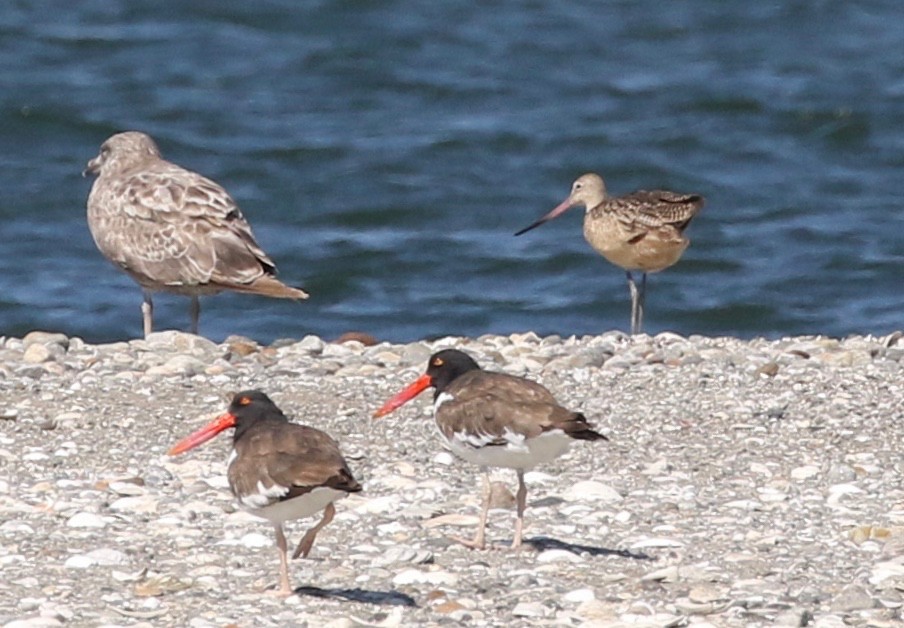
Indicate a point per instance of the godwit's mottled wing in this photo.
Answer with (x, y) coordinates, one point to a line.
(177, 227)
(644, 210)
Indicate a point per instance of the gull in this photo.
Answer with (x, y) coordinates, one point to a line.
(173, 230)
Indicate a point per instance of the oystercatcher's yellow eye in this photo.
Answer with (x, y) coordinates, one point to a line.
(437, 361)
(244, 401)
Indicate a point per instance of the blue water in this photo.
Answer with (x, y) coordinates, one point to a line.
(385, 153)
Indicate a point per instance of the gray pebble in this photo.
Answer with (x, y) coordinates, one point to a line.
(725, 498)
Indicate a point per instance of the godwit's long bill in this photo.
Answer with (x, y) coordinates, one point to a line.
(494, 420)
(642, 231)
(278, 470)
(172, 230)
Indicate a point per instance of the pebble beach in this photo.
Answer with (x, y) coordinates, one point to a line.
(745, 483)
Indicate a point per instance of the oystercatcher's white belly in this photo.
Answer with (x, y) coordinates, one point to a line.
(264, 501)
(518, 452)
(295, 508)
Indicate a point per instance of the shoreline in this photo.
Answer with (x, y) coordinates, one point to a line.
(747, 483)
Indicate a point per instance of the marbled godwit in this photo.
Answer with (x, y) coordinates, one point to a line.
(173, 230)
(278, 470)
(494, 420)
(641, 231)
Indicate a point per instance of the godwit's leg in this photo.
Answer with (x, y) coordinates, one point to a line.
(284, 588)
(635, 303)
(147, 313)
(521, 499)
(641, 302)
(479, 540)
(194, 311)
(307, 541)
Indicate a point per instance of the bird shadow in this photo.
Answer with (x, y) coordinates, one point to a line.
(543, 543)
(364, 596)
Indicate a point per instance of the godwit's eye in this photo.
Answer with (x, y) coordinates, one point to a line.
(244, 401)
(437, 361)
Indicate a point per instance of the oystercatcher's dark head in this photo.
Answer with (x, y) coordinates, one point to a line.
(246, 409)
(443, 368)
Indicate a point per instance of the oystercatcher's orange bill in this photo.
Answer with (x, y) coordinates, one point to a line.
(409, 393)
(222, 422)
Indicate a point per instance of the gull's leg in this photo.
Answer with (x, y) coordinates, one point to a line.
(147, 313)
(194, 311)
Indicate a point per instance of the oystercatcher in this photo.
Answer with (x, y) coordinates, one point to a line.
(494, 420)
(278, 470)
